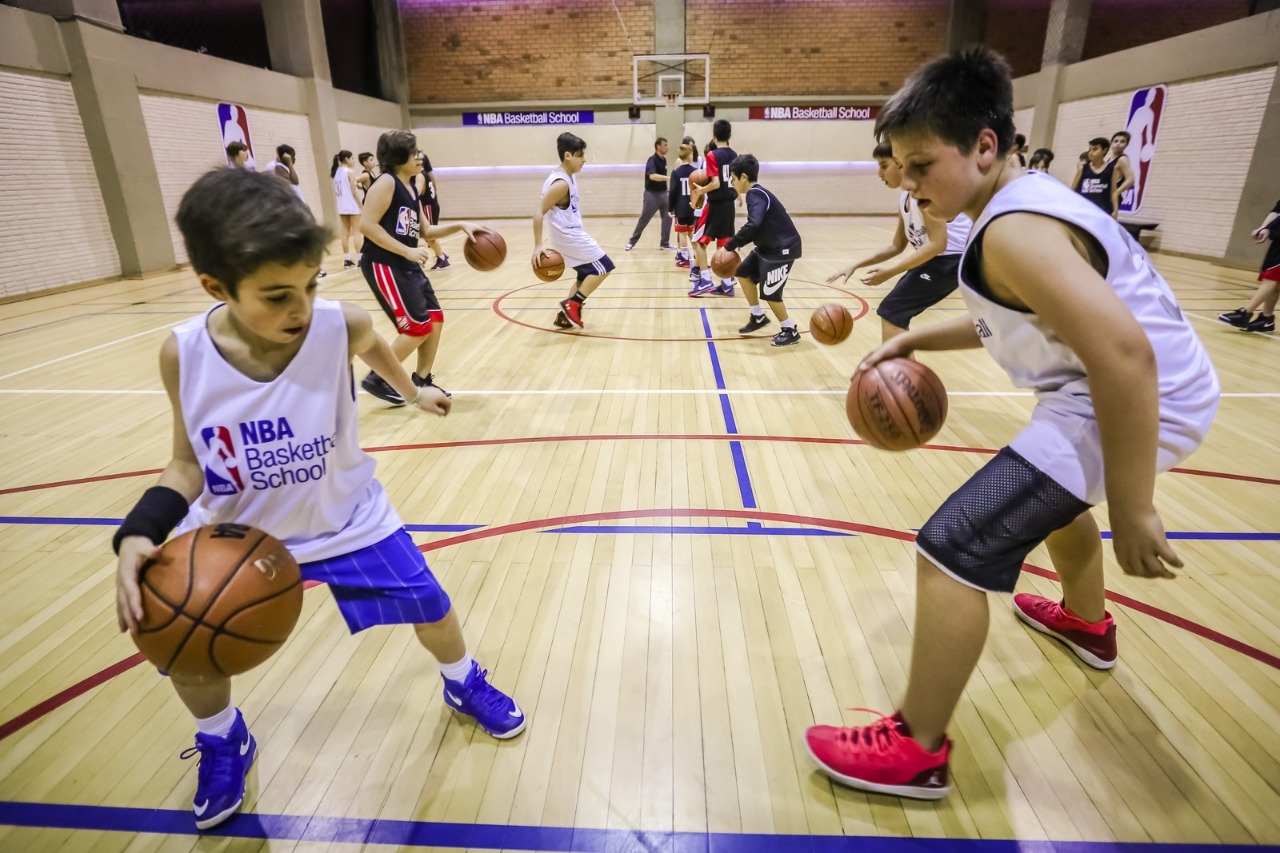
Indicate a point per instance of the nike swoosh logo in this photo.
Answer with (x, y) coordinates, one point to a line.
(244, 748)
(517, 713)
(925, 276)
(452, 697)
(769, 291)
(201, 809)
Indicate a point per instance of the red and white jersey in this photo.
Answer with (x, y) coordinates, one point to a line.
(282, 455)
(566, 233)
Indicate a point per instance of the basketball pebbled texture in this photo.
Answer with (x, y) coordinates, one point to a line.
(897, 404)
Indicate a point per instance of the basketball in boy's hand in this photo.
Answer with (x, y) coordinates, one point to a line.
(218, 601)
(724, 262)
(486, 252)
(550, 265)
(698, 177)
(831, 323)
(897, 404)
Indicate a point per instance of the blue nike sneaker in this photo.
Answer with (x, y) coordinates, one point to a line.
(224, 763)
(496, 712)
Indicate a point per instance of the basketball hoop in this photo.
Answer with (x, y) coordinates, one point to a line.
(671, 97)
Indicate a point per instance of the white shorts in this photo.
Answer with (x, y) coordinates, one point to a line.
(1068, 448)
(348, 207)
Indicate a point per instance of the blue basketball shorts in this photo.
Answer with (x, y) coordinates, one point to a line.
(387, 583)
(602, 265)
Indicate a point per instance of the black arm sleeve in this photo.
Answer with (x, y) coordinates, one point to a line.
(757, 206)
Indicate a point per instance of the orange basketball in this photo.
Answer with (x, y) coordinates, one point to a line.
(898, 404)
(218, 601)
(486, 252)
(831, 323)
(724, 263)
(550, 266)
(698, 177)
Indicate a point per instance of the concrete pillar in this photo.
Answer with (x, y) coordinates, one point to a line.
(296, 40)
(393, 66)
(102, 12)
(1044, 123)
(1261, 186)
(106, 94)
(1065, 32)
(964, 25)
(668, 37)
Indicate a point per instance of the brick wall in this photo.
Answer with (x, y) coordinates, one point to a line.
(185, 143)
(1121, 24)
(522, 50)
(1202, 152)
(49, 196)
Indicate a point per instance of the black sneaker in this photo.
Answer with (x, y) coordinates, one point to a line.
(562, 322)
(1238, 318)
(429, 382)
(346, 265)
(381, 388)
(757, 322)
(1264, 323)
(667, 247)
(786, 336)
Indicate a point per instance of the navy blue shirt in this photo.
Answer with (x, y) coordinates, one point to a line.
(768, 226)
(678, 197)
(657, 165)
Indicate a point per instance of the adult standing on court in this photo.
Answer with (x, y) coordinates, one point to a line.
(655, 196)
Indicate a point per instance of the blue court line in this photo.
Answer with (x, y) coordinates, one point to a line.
(735, 447)
(753, 529)
(541, 838)
(1211, 535)
(115, 522)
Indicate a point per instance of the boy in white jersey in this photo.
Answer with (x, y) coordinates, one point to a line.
(270, 349)
(1070, 306)
(931, 268)
(562, 208)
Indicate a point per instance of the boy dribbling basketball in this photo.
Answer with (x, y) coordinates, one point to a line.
(269, 349)
(1070, 306)
(561, 207)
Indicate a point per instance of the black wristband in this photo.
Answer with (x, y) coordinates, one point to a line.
(154, 516)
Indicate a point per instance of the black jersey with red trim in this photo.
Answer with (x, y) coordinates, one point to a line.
(402, 220)
(769, 226)
(678, 196)
(718, 160)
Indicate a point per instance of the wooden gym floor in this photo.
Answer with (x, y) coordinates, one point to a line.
(667, 543)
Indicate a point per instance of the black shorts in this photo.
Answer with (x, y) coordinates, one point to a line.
(920, 288)
(684, 223)
(432, 211)
(769, 276)
(406, 295)
(981, 535)
(719, 225)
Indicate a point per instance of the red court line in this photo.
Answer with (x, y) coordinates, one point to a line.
(59, 699)
(540, 439)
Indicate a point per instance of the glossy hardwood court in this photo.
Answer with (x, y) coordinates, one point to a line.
(667, 543)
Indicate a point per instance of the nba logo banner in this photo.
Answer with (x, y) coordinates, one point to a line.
(1145, 111)
(233, 123)
(222, 469)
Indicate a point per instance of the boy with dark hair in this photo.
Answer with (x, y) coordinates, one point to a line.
(678, 201)
(1069, 305)
(391, 221)
(1265, 296)
(270, 348)
(777, 249)
(1124, 169)
(931, 268)
(367, 165)
(1096, 178)
(283, 168)
(720, 196)
(561, 207)
(237, 154)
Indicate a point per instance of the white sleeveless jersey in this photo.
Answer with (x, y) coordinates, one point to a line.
(913, 226)
(566, 234)
(1035, 358)
(283, 455)
(297, 190)
(347, 203)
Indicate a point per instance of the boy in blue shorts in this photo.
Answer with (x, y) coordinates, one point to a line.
(270, 349)
(1069, 306)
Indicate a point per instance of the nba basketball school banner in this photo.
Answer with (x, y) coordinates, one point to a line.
(233, 123)
(1145, 111)
(522, 117)
(846, 112)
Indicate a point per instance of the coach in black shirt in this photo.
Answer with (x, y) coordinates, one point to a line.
(655, 196)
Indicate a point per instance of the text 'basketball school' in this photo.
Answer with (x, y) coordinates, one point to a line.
(270, 455)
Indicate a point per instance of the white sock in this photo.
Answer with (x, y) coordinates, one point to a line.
(219, 725)
(728, 282)
(706, 275)
(757, 310)
(457, 671)
(787, 323)
(346, 257)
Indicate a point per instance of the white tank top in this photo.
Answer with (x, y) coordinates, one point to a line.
(283, 455)
(297, 190)
(566, 234)
(1035, 358)
(913, 226)
(342, 189)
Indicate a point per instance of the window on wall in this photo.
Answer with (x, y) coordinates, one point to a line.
(350, 35)
(228, 29)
